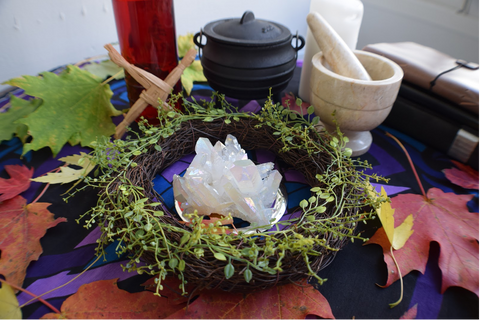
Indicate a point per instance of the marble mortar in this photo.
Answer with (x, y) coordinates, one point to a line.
(359, 105)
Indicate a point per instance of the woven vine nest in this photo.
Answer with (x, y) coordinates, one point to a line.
(242, 253)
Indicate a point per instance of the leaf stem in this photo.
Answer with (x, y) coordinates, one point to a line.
(28, 292)
(46, 187)
(401, 280)
(111, 78)
(411, 163)
(61, 286)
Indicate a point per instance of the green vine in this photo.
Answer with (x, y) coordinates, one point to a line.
(342, 186)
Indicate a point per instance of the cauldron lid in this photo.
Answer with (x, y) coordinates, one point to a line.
(247, 31)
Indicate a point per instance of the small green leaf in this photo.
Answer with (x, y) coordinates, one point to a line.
(303, 204)
(229, 270)
(208, 119)
(310, 110)
(347, 152)
(172, 263)
(181, 265)
(320, 209)
(219, 256)
(248, 275)
(158, 213)
(185, 238)
(298, 102)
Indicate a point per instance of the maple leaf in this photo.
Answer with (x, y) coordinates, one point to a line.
(280, 302)
(21, 228)
(105, 69)
(193, 72)
(399, 235)
(19, 181)
(444, 218)
(103, 299)
(410, 313)
(19, 108)
(68, 174)
(289, 101)
(9, 308)
(76, 108)
(466, 177)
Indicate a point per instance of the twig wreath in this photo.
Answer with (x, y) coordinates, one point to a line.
(207, 255)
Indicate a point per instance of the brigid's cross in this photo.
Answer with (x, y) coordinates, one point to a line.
(156, 88)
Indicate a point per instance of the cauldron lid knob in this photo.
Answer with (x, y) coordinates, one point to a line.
(248, 31)
(247, 17)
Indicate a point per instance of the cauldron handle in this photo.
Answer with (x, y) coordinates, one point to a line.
(198, 42)
(302, 42)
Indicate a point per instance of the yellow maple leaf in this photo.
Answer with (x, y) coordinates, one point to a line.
(396, 236)
(9, 308)
(69, 174)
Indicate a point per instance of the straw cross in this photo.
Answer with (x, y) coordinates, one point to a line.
(156, 88)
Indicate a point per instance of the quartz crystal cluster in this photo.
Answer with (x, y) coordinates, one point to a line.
(221, 179)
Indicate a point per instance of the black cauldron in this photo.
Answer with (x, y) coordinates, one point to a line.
(245, 58)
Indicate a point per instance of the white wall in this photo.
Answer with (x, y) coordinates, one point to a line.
(38, 35)
(434, 23)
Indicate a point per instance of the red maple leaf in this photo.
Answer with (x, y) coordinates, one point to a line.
(21, 228)
(103, 299)
(444, 218)
(19, 181)
(466, 177)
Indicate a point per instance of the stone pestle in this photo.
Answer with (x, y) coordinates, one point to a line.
(336, 52)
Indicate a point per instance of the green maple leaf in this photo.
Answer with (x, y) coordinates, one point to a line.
(194, 72)
(76, 108)
(185, 43)
(104, 69)
(19, 108)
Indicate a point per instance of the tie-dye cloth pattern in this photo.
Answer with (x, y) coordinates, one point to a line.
(68, 249)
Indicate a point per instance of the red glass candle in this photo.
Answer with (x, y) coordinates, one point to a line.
(146, 32)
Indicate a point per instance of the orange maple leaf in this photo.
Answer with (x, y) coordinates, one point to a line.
(444, 218)
(21, 228)
(103, 299)
(279, 302)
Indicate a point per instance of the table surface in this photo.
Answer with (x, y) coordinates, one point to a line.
(69, 248)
